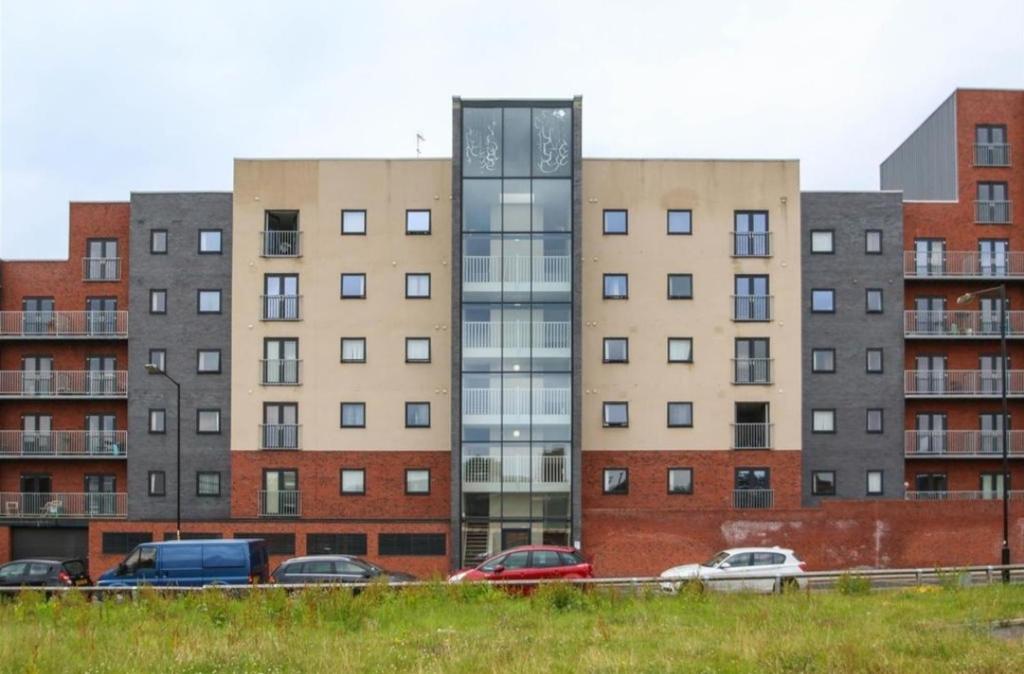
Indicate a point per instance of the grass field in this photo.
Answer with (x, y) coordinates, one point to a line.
(478, 629)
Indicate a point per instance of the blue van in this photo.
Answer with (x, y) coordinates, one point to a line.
(195, 563)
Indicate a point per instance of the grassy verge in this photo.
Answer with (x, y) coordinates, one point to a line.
(478, 629)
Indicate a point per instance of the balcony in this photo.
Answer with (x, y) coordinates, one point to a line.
(280, 243)
(751, 244)
(281, 307)
(960, 383)
(105, 384)
(960, 324)
(94, 505)
(991, 154)
(544, 339)
(101, 269)
(519, 473)
(961, 444)
(960, 495)
(540, 406)
(281, 372)
(280, 436)
(993, 212)
(517, 273)
(754, 499)
(283, 503)
(63, 324)
(751, 308)
(752, 436)
(63, 444)
(751, 371)
(959, 265)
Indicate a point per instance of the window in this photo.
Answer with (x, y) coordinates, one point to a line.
(417, 222)
(417, 286)
(874, 361)
(208, 361)
(417, 415)
(822, 241)
(873, 300)
(277, 544)
(680, 286)
(616, 350)
(353, 415)
(158, 241)
(207, 421)
(210, 242)
(336, 544)
(680, 222)
(417, 349)
(158, 357)
(874, 420)
(873, 242)
(823, 421)
(417, 481)
(411, 545)
(209, 301)
(207, 484)
(353, 222)
(353, 481)
(616, 415)
(680, 349)
(353, 349)
(680, 480)
(157, 483)
(158, 421)
(931, 482)
(281, 297)
(823, 360)
(823, 301)
(616, 481)
(616, 222)
(123, 542)
(616, 286)
(680, 415)
(353, 286)
(158, 301)
(823, 483)
(875, 482)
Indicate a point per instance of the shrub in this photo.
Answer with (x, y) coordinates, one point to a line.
(850, 584)
(560, 596)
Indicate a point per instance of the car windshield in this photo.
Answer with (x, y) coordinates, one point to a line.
(716, 560)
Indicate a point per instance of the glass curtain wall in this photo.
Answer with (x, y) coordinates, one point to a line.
(516, 327)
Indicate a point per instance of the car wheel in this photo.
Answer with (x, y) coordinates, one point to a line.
(787, 585)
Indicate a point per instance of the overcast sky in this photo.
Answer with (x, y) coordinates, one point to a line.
(101, 98)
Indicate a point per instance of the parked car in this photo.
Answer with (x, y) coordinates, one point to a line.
(315, 569)
(529, 562)
(44, 573)
(236, 561)
(741, 570)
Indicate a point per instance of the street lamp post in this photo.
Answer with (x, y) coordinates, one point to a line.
(152, 368)
(1000, 290)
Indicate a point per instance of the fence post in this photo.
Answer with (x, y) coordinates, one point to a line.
(917, 576)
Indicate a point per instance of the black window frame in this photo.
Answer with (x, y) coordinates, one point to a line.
(341, 223)
(835, 420)
(815, 491)
(153, 292)
(668, 289)
(341, 413)
(604, 349)
(881, 360)
(152, 361)
(341, 347)
(430, 350)
(867, 301)
(199, 301)
(867, 482)
(604, 221)
(199, 241)
(668, 413)
(668, 481)
(430, 481)
(617, 491)
(668, 221)
(338, 543)
(827, 349)
(200, 494)
(823, 290)
(409, 403)
(430, 221)
(220, 361)
(881, 420)
(832, 241)
(668, 349)
(199, 412)
(152, 241)
(604, 415)
(425, 544)
(341, 283)
(149, 420)
(163, 484)
(341, 481)
(867, 242)
(604, 286)
(430, 285)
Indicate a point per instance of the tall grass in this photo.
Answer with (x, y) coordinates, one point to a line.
(476, 628)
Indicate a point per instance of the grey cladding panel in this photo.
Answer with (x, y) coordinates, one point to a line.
(924, 166)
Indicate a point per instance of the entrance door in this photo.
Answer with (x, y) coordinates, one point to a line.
(281, 297)
(991, 425)
(752, 298)
(280, 426)
(990, 309)
(102, 254)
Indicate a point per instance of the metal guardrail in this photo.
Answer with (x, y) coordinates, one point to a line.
(752, 308)
(993, 212)
(64, 444)
(963, 495)
(281, 307)
(752, 435)
(281, 371)
(56, 505)
(751, 244)
(101, 269)
(961, 383)
(960, 324)
(961, 443)
(280, 436)
(992, 154)
(63, 383)
(280, 243)
(962, 264)
(64, 324)
(752, 370)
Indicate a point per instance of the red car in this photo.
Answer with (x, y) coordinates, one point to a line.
(529, 562)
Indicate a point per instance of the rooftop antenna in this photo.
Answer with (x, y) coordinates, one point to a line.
(419, 139)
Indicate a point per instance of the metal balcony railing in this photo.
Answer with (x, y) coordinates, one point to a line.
(752, 436)
(63, 384)
(280, 436)
(281, 307)
(101, 268)
(960, 383)
(516, 335)
(280, 243)
(963, 264)
(966, 444)
(993, 212)
(516, 469)
(752, 307)
(752, 370)
(64, 324)
(64, 444)
(991, 154)
(751, 244)
(540, 402)
(761, 499)
(517, 269)
(285, 503)
(963, 495)
(54, 505)
(281, 372)
(961, 324)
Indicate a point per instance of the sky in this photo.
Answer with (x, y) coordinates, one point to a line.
(102, 98)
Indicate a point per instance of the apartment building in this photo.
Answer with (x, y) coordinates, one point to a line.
(961, 236)
(63, 386)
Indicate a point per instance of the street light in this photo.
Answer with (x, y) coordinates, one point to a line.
(964, 299)
(153, 368)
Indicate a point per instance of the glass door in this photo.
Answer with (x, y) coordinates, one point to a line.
(992, 256)
(101, 375)
(930, 317)
(35, 430)
(931, 432)
(101, 315)
(38, 315)
(100, 437)
(37, 375)
(929, 257)
(931, 374)
(280, 492)
(100, 497)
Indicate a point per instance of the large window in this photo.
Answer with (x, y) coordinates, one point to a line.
(822, 241)
(417, 222)
(417, 481)
(208, 421)
(353, 349)
(353, 481)
(823, 421)
(417, 349)
(417, 415)
(207, 484)
(208, 361)
(823, 360)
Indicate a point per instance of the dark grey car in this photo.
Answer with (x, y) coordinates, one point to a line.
(315, 569)
(44, 573)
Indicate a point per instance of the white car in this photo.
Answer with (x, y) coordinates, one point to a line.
(741, 570)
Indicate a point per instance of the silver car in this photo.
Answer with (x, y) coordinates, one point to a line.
(741, 570)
